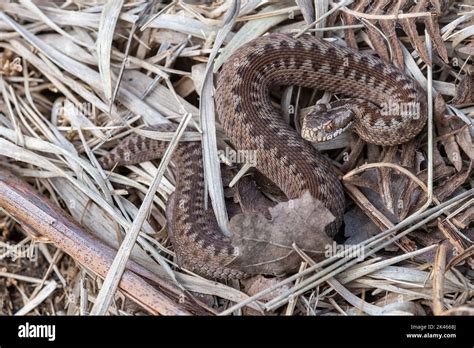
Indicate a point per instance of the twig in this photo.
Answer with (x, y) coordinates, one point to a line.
(39, 215)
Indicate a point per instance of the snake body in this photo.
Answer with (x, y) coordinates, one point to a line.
(252, 123)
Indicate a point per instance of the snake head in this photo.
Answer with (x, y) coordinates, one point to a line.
(325, 122)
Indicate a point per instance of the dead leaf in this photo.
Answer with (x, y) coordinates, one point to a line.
(464, 139)
(267, 244)
(464, 92)
(358, 226)
(254, 285)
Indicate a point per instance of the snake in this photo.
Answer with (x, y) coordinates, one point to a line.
(378, 101)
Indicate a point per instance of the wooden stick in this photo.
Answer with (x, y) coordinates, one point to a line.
(38, 214)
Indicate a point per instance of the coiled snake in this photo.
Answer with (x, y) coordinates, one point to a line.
(386, 107)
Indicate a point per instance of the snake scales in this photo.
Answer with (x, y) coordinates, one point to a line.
(251, 122)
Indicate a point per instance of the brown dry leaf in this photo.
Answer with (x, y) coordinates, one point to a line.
(452, 149)
(367, 180)
(348, 20)
(388, 28)
(376, 37)
(450, 185)
(464, 92)
(433, 30)
(464, 140)
(440, 116)
(464, 219)
(409, 27)
(387, 25)
(358, 226)
(254, 285)
(267, 244)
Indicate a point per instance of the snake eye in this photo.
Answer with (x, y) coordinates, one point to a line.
(328, 128)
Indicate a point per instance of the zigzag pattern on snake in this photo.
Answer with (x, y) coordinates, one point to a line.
(251, 122)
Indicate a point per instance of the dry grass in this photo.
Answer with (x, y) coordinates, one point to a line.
(75, 78)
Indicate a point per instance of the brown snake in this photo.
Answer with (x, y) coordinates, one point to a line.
(379, 92)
